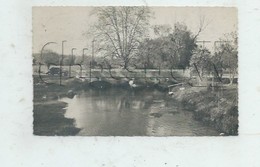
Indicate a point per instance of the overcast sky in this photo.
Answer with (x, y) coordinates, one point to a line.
(69, 23)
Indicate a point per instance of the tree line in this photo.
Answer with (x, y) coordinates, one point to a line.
(121, 36)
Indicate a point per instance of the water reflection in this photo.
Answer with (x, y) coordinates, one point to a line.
(117, 112)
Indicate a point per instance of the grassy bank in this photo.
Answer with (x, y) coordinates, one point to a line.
(48, 112)
(49, 120)
(216, 108)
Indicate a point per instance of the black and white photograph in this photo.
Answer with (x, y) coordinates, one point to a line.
(135, 71)
(135, 83)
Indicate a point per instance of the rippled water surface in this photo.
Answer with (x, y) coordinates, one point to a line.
(117, 112)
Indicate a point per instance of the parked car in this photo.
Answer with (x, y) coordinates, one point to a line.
(55, 71)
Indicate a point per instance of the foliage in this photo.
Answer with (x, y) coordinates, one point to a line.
(71, 59)
(201, 62)
(50, 58)
(151, 54)
(224, 60)
(36, 58)
(162, 30)
(79, 60)
(172, 47)
(227, 54)
(183, 44)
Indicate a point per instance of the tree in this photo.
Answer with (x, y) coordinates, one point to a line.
(182, 46)
(162, 30)
(218, 64)
(172, 48)
(50, 58)
(228, 55)
(36, 58)
(120, 30)
(203, 23)
(201, 63)
(150, 54)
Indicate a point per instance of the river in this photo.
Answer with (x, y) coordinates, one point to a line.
(119, 112)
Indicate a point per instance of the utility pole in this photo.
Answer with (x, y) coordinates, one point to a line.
(62, 47)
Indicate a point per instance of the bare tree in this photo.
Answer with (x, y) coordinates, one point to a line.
(203, 23)
(120, 30)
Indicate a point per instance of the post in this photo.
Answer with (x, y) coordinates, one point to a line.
(83, 58)
(62, 46)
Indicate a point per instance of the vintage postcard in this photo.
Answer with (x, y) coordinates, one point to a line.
(135, 71)
(130, 83)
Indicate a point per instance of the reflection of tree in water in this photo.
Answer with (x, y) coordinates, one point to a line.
(121, 112)
(131, 102)
(126, 101)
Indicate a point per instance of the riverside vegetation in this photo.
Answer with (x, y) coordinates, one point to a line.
(216, 108)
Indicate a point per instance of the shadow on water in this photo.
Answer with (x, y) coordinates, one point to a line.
(128, 112)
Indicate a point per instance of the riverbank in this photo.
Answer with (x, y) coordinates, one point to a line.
(49, 120)
(49, 112)
(216, 108)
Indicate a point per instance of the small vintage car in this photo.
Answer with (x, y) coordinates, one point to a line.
(55, 71)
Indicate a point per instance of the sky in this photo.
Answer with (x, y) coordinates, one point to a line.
(54, 24)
